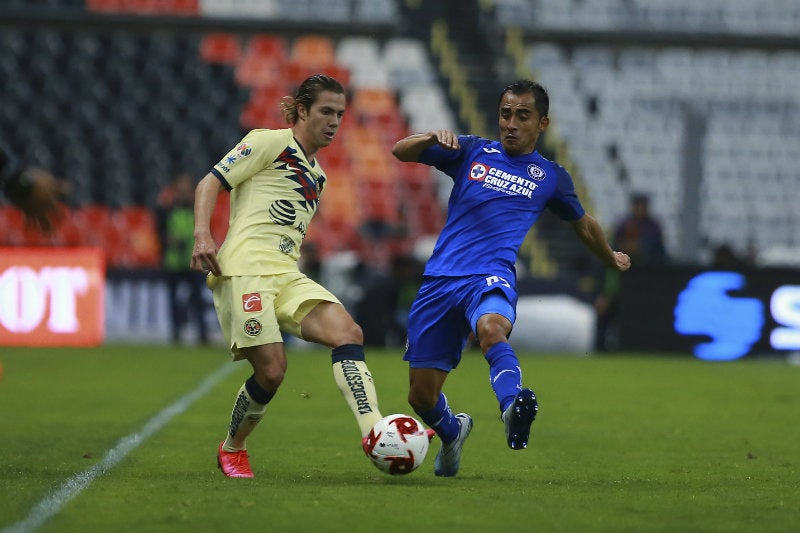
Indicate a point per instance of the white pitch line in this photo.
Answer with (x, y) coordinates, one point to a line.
(68, 490)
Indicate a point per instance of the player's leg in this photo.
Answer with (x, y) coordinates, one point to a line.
(436, 336)
(493, 319)
(269, 367)
(426, 398)
(310, 312)
(246, 313)
(329, 324)
(505, 374)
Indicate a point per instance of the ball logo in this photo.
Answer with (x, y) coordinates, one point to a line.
(478, 171)
(536, 172)
(252, 327)
(251, 302)
(244, 149)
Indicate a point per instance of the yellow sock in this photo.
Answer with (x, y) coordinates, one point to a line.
(355, 382)
(246, 414)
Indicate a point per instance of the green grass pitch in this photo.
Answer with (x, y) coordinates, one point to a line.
(623, 443)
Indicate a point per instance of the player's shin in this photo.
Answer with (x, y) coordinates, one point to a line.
(355, 382)
(442, 420)
(504, 373)
(251, 403)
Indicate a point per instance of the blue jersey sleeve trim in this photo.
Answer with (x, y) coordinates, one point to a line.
(222, 180)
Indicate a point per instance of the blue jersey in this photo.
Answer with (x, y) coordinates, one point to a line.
(495, 200)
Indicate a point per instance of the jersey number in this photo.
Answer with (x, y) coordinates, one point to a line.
(491, 280)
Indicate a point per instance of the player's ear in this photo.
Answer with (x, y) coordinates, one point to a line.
(543, 123)
(302, 112)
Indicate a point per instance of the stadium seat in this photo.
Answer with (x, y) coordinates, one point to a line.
(374, 101)
(221, 48)
(257, 71)
(316, 52)
(267, 47)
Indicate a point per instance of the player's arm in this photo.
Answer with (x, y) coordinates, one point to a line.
(410, 148)
(591, 234)
(204, 253)
(35, 191)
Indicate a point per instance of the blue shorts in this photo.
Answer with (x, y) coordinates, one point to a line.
(447, 309)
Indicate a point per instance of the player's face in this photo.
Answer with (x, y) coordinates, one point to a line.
(323, 119)
(520, 123)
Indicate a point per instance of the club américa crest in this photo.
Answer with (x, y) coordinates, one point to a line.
(252, 327)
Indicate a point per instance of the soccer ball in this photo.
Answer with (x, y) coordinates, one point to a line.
(397, 444)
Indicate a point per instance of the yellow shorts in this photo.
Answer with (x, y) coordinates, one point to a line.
(254, 310)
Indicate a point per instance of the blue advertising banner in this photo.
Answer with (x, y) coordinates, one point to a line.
(716, 315)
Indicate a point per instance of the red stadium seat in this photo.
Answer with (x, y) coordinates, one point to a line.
(220, 48)
(267, 47)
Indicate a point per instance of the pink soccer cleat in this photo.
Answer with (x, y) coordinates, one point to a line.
(234, 464)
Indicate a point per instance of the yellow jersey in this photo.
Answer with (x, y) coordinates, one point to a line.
(275, 191)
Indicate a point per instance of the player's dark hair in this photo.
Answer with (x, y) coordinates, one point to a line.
(541, 99)
(307, 94)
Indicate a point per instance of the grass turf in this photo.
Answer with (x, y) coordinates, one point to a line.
(623, 443)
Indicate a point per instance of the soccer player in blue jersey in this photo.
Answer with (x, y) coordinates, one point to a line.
(276, 182)
(499, 190)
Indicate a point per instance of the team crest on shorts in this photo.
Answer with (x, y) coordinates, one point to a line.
(252, 327)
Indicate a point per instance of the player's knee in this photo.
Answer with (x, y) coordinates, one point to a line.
(490, 333)
(269, 377)
(352, 334)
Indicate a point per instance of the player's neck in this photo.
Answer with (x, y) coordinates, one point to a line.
(307, 147)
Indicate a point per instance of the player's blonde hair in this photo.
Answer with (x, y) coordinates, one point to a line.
(307, 94)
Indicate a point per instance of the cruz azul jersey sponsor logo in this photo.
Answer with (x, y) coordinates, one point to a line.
(499, 180)
(251, 302)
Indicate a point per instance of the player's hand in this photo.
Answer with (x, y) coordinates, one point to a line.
(621, 261)
(446, 139)
(41, 204)
(204, 256)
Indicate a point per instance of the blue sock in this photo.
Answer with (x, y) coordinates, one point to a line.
(442, 420)
(504, 373)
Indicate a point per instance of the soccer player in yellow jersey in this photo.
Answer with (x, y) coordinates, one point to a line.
(276, 184)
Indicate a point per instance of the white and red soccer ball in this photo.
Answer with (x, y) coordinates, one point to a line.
(397, 444)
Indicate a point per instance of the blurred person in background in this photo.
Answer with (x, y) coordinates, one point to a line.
(33, 190)
(259, 292)
(639, 235)
(186, 287)
(500, 189)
